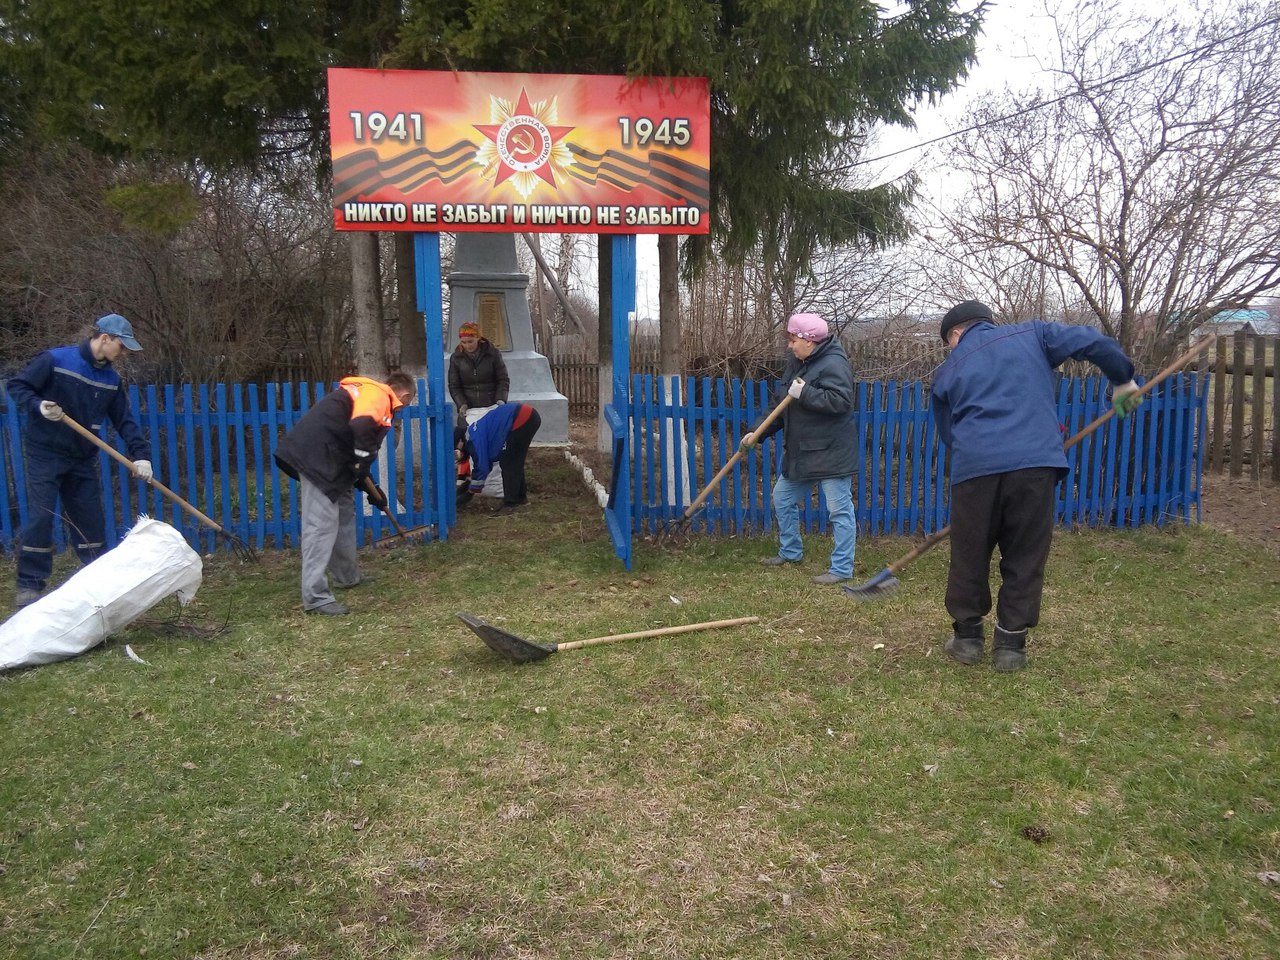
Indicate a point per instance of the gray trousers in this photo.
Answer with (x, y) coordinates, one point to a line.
(328, 544)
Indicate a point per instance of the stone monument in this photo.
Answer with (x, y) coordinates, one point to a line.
(487, 288)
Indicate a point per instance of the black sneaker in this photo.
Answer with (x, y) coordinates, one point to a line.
(364, 578)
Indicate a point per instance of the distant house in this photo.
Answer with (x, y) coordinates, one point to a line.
(1228, 322)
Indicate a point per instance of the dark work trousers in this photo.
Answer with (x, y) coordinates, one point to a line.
(1012, 511)
(514, 452)
(78, 484)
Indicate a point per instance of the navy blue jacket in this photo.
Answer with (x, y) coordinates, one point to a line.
(819, 440)
(88, 390)
(994, 397)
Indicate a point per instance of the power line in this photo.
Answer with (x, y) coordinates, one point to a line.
(1101, 85)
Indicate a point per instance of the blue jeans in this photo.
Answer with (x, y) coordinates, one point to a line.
(838, 492)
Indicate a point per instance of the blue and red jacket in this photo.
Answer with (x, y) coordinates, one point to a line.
(88, 390)
(488, 435)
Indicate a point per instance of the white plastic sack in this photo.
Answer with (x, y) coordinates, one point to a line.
(493, 482)
(151, 563)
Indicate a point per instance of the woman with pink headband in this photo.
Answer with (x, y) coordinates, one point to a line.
(819, 444)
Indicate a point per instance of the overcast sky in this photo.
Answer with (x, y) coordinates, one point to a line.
(1016, 36)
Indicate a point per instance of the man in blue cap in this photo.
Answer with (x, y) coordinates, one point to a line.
(79, 381)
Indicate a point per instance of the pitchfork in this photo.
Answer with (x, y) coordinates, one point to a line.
(242, 549)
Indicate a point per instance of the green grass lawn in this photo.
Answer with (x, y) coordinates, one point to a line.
(823, 784)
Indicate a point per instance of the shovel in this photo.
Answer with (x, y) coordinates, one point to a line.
(242, 549)
(682, 524)
(885, 582)
(519, 650)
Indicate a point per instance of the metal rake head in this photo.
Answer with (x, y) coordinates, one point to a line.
(881, 585)
(241, 549)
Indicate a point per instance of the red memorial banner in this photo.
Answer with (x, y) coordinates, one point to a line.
(517, 152)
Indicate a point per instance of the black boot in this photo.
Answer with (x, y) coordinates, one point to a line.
(1010, 649)
(965, 645)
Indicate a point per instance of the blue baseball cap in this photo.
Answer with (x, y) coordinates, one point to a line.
(117, 326)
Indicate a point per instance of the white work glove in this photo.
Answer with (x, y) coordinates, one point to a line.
(1125, 398)
(794, 390)
(50, 410)
(747, 442)
(142, 469)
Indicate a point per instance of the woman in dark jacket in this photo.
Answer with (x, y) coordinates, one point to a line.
(819, 444)
(477, 374)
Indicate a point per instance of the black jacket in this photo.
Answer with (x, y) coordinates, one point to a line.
(479, 379)
(819, 439)
(337, 440)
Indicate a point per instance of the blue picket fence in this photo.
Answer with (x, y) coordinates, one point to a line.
(1146, 470)
(213, 446)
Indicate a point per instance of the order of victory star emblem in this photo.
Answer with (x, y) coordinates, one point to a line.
(523, 143)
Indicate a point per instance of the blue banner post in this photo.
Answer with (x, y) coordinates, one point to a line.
(617, 512)
(426, 254)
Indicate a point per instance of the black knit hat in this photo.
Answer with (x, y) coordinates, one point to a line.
(964, 313)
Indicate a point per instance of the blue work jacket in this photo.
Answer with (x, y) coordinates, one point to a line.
(994, 397)
(88, 390)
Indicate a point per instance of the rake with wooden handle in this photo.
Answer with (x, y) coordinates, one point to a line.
(519, 650)
(242, 549)
(886, 581)
(402, 535)
(682, 524)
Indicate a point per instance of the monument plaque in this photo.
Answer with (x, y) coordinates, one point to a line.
(487, 288)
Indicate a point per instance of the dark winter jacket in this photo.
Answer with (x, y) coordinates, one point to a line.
(819, 439)
(88, 390)
(478, 379)
(994, 397)
(337, 440)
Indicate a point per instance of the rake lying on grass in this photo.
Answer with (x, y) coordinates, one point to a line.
(519, 650)
(886, 581)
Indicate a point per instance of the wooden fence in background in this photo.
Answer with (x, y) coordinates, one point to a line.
(1244, 406)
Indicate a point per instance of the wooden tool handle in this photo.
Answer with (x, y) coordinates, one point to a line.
(738, 454)
(117, 455)
(660, 632)
(371, 489)
(934, 539)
